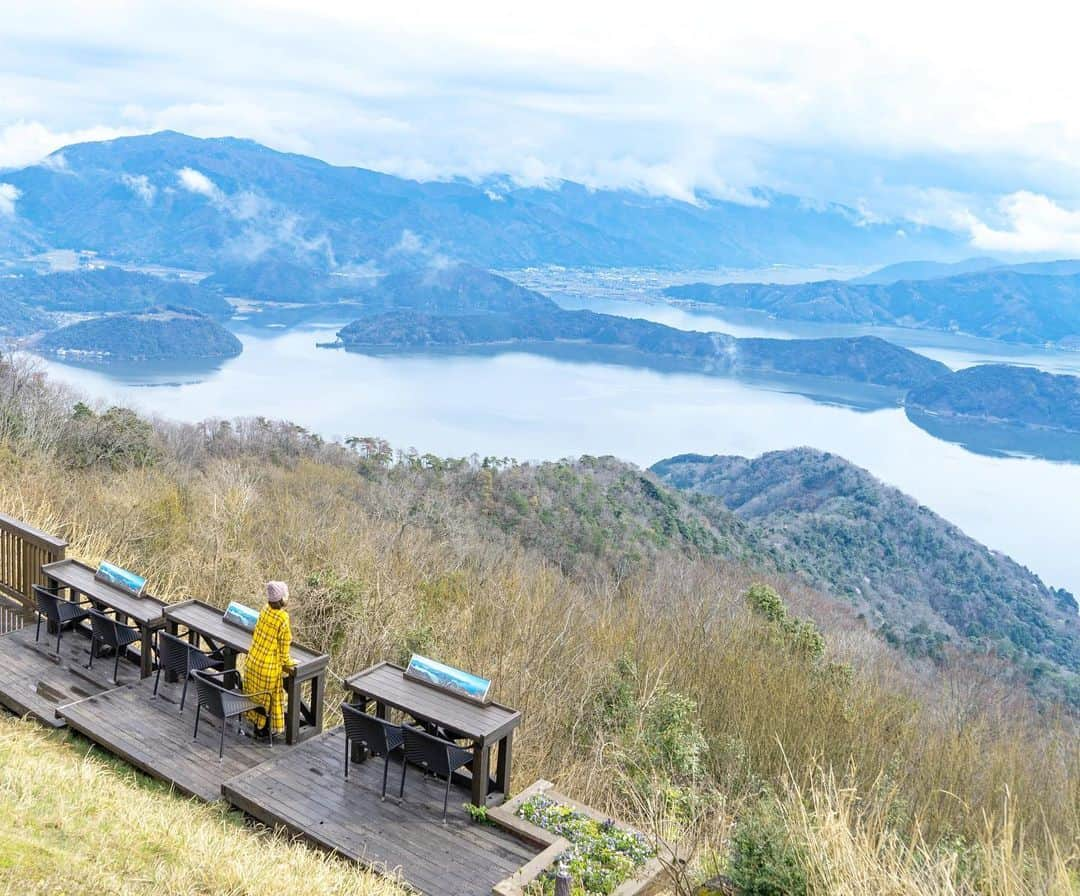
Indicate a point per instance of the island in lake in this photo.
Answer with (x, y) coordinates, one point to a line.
(158, 334)
(463, 307)
(1002, 394)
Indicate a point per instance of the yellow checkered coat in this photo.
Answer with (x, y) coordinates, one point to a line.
(267, 662)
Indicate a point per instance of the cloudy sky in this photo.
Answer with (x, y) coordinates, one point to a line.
(953, 113)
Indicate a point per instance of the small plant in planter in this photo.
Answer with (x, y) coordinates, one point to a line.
(477, 814)
(601, 855)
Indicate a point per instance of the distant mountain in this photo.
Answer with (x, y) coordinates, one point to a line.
(997, 304)
(273, 280)
(926, 270)
(1003, 393)
(211, 204)
(18, 319)
(1058, 268)
(110, 289)
(917, 578)
(453, 289)
(460, 307)
(156, 335)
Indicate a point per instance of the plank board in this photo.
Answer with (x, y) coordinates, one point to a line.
(150, 733)
(35, 680)
(304, 790)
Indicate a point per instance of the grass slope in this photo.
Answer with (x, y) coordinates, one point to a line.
(75, 822)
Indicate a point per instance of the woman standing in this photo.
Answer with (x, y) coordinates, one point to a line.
(269, 661)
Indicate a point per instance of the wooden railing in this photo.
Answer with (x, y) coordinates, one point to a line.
(11, 616)
(23, 551)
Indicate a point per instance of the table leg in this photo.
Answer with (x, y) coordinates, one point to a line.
(292, 709)
(502, 766)
(481, 773)
(146, 651)
(318, 684)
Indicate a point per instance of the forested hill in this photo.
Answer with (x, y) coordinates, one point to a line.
(108, 289)
(997, 304)
(160, 334)
(17, 319)
(919, 579)
(1003, 393)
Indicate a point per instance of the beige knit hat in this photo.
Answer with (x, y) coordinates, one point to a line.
(277, 592)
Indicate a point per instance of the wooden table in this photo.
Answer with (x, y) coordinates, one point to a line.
(145, 612)
(486, 726)
(204, 622)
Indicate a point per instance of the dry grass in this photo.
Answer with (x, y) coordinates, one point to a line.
(932, 775)
(852, 849)
(75, 823)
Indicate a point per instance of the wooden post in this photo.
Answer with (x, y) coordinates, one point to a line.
(562, 880)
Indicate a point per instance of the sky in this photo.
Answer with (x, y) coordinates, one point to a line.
(956, 114)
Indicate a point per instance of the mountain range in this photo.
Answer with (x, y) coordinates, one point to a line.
(1013, 305)
(172, 199)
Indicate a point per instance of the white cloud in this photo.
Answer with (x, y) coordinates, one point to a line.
(9, 193)
(963, 97)
(30, 142)
(140, 185)
(196, 182)
(1030, 223)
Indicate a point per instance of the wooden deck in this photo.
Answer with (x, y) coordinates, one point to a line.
(304, 790)
(150, 733)
(34, 680)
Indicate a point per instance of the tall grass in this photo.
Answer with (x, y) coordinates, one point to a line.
(895, 778)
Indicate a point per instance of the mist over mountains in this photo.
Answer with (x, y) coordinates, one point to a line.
(212, 203)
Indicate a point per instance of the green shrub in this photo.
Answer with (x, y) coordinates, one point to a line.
(764, 861)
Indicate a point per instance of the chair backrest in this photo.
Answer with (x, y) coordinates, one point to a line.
(173, 653)
(211, 695)
(48, 604)
(425, 749)
(217, 699)
(104, 628)
(378, 735)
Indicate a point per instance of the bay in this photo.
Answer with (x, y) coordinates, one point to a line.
(533, 406)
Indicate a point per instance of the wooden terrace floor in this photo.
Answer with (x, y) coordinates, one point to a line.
(304, 790)
(35, 680)
(300, 788)
(151, 734)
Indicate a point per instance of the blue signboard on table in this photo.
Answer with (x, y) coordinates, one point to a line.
(241, 616)
(447, 678)
(120, 578)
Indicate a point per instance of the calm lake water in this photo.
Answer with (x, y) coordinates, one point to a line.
(534, 407)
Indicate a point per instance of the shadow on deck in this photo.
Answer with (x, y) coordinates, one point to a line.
(304, 790)
(35, 680)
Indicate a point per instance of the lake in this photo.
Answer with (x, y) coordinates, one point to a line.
(534, 407)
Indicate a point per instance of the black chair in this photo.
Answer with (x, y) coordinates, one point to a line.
(220, 695)
(58, 610)
(433, 754)
(110, 633)
(177, 656)
(379, 737)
